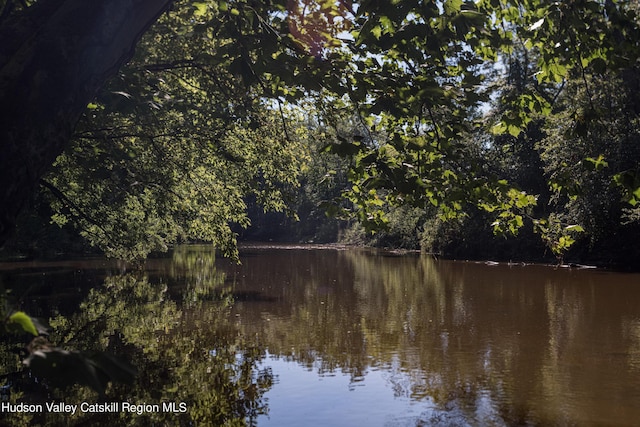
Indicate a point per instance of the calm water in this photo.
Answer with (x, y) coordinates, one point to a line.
(360, 338)
(357, 337)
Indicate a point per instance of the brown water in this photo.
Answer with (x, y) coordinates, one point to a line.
(359, 337)
(452, 343)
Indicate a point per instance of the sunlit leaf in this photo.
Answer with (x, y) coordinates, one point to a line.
(452, 7)
(24, 322)
(201, 8)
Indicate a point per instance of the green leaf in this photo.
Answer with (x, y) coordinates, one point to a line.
(387, 25)
(376, 31)
(20, 318)
(499, 129)
(201, 9)
(514, 130)
(451, 7)
(595, 164)
(515, 224)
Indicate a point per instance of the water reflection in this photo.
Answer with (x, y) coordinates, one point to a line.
(485, 345)
(351, 337)
(171, 323)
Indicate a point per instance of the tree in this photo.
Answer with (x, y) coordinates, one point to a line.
(173, 145)
(591, 159)
(55, 56)
(413, 73)
(426, 80)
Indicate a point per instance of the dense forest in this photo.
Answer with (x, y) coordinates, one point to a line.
(489, 129)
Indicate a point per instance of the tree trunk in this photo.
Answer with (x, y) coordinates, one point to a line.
(53, 59)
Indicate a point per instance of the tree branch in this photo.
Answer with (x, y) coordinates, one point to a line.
(68, 202)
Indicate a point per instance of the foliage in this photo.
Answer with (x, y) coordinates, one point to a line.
(322, 179)
(54, 365)
(422, 73)
(493, 111)
(175, 331)
(453, 107)
(591, 143)
(171, 149)
(20, 322)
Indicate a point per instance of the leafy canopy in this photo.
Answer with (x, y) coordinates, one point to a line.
(195, 123)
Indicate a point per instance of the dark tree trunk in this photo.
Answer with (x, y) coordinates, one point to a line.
(53, 59)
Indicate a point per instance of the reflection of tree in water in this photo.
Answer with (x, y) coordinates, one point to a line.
(494, 345)
(482, 345)
(192, 274)
(185, 351)
(313, 322)
(423, 323)
(433, 338)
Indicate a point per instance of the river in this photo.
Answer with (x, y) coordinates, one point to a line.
(322, 336)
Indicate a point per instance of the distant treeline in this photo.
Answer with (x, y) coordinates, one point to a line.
(578, 162)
